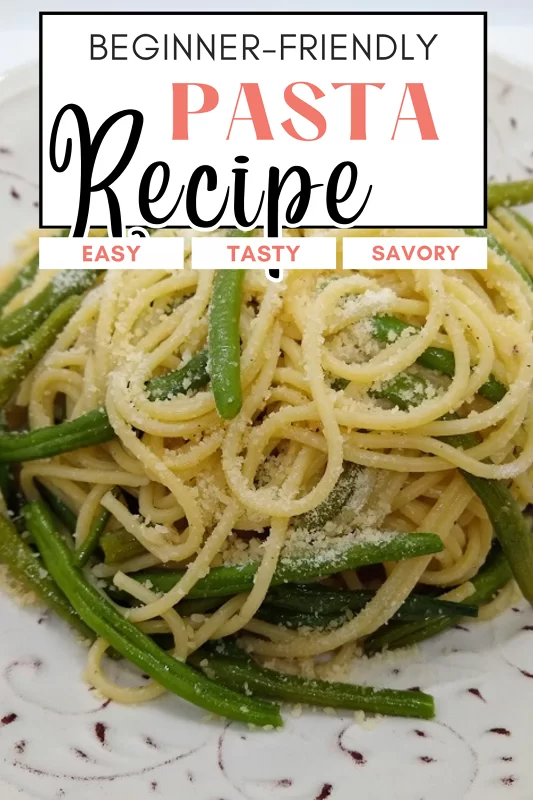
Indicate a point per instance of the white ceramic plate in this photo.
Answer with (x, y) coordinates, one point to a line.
(58, 740)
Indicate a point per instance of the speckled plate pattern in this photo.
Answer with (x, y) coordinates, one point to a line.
(59, 740)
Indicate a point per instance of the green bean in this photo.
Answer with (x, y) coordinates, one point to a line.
(19, 324)
(27, 568)
(295, 620)
(22, 279)
(435, 358)
(224, 342)
(191, 377)
(496, 247)
(510, 528)
(511, 193)
(14, 366)
(241, 672)
(393, 636)
(89, 429)
(325, 601)
(315, 519)
(199, 606)
(90, 543)
(102, 617)
(495, 573)
(524, 222)
(404, 390)
(8, 486)
(230, 580)
(487, 582)
(119, 546)
(64, 514)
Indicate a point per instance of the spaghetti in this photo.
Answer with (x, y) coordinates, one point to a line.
(196, 492)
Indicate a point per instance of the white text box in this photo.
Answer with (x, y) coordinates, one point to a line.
(401, 96)
(240, 252)
(414, 252)
(132, 252)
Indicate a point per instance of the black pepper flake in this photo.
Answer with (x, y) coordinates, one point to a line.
(14, 193)
(512, 122)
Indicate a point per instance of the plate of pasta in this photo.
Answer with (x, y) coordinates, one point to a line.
(267, 540)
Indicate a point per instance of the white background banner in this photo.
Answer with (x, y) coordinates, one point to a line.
(427, 171)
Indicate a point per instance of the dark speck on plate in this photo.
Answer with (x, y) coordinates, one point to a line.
(526, 674)
(325, 792)
(477, 693)
(100, 731)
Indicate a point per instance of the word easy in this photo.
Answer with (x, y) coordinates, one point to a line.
(115, 253)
